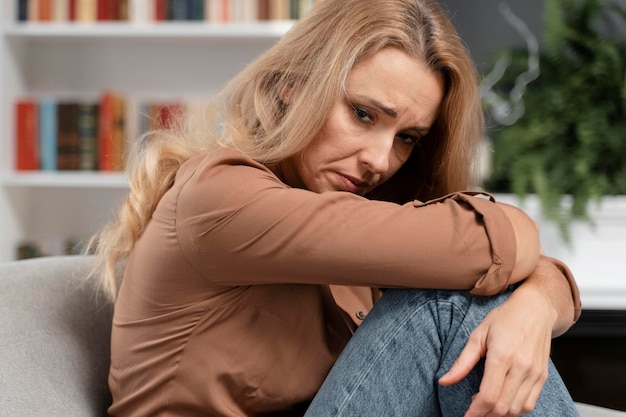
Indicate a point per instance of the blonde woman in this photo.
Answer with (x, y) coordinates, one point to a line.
(323, 225)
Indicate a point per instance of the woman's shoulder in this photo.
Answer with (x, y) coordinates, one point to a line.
(224, 175)
(223, 164)
(219, 157)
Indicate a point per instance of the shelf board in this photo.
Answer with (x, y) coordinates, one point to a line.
(164, 30)
(65, 179)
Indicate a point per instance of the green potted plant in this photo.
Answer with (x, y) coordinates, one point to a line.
(569, 146)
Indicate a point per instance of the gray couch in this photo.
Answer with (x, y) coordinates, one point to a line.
(54, 341)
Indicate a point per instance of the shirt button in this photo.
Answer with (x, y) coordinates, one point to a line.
(360, 315)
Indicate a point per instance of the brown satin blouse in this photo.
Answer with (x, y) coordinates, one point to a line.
(242, 291)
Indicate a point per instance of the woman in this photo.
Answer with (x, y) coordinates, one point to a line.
(254, 253)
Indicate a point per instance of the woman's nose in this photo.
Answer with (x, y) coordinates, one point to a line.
(376, 153)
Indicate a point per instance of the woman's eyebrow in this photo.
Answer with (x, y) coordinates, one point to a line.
(385, 109)
(393, 113)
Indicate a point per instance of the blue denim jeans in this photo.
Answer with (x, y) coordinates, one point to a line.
(411, 338)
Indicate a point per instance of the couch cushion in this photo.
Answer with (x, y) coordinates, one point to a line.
(54, 339)
(587, 410)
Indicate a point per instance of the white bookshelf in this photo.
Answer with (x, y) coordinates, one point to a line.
(60, 60)
(65, 179)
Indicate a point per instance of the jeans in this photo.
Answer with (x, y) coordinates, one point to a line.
(391, 365)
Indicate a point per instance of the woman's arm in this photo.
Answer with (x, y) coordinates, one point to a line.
(558, 289)
(527, 242)
(239, 225)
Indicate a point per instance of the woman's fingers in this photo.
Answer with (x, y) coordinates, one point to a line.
(512, 390)
(471, 354)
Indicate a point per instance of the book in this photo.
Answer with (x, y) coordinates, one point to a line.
(177, 10)
(105, 133)
(60, 10)
(86, 11)
(111, 132)
(33, 10)
(218, 10)
(26, 135)
(22, 11)
(68, 142)
(48, 134)
(195, 10)
(294, 9)
(45, 10)
(141, 11)
(107, 10)
(264, 9)
(244, 10)
(88, 135)
(280, 9)
(160, 10)
(71, 12)
(236, 11)
(123, 10)
(119, 133)
(251, 11)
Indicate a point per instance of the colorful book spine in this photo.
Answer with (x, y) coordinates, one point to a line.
(279, 9)
(22, 11)
(177, 10)
(107, 10)
(33, 10)
(123, 10)
(88, 136)
(47, 134)
(45, 10)
(71, 13)
(195, 10)
(60, 11)
(294, 9)
(105, 133)
(27, 135)
(141, 11)
(68, 142)
(86, 11)
(111, 133)
(264, 9)
(119, 133)
(160, 10)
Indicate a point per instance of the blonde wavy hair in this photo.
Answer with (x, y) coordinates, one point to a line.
(312, 62)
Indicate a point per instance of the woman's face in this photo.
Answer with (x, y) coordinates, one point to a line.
(391, 101)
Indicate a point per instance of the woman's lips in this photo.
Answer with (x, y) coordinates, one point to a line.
(354, 185)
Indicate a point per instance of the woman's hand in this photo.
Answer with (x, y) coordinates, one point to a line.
(516, 338)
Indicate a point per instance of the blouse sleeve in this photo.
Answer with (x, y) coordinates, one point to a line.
(500, 234)
(238, 224)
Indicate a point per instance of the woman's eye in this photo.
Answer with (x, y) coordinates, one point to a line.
(362, 114)
(408, 139)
